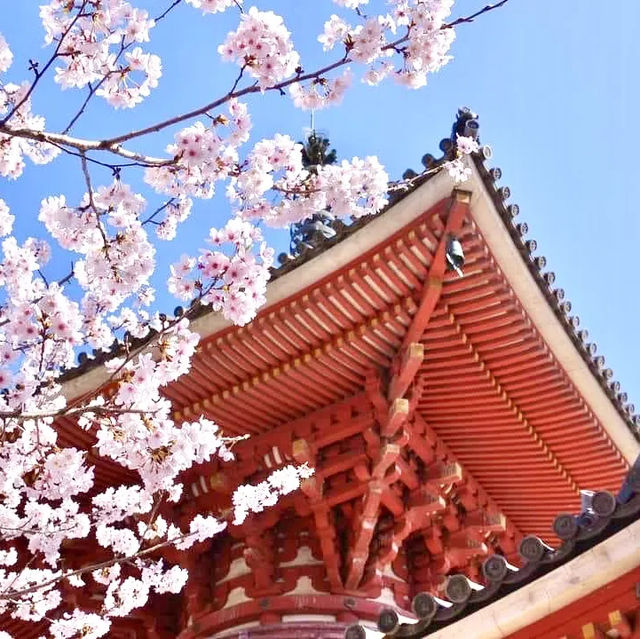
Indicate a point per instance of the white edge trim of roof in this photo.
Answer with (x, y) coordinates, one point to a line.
(535, 304)
(561, 587)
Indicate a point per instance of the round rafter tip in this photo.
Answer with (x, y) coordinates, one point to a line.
(513, 210)
(603, 503)
(388, 620)
(356, 631)
(532, 548)
(424, 605)
(494, 568)
(565, 526)
(457, 589)
(495, 173)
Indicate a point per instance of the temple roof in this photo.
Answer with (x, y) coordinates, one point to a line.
(517, 229)
(508, 382)
(477, 398)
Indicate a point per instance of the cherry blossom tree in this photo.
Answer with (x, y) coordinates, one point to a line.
(48, 496)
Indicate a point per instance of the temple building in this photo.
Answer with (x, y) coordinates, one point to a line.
(474, 458)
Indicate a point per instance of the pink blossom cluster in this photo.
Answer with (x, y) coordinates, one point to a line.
(141, 435)
(32, 606)
(262, 46)
(232, 283)
(202, 155)
(270, 184)
(105, 229)
(6, 56)
(414, 31)
(321, 92)
(43, 485)
(6, 219)
(255, 498)
(86, 624)
(428, 42)
(457, 168)
(177, 210)
(214, 6)
(352, 188)
(95, 46)
(14, 102)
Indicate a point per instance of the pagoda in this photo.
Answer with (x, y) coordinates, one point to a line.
(473, 455)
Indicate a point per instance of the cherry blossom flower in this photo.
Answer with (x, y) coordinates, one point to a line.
(13, 148)
(48, 493)
(79, 623)
(335, 30)
(466, 145)
(262, 46)
(321, 93)
(458, 170)
(6, 57)
(254, 499)
(213, 6)
(121, 89)
(203, 156)
(89, 44)
(6, 219)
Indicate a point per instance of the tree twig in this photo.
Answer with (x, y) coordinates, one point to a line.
(39, 73)
(473, 16)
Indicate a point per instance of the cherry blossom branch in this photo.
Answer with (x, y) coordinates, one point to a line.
(81, 144)
(233, 93)
(66, 412)
(167, 10)
(151, 218)
(92, 567)
(93, 88)
(115, 167)
(38, 73)
(113, 144)
(473, 16)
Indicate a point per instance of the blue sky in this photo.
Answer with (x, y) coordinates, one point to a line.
(555, 84)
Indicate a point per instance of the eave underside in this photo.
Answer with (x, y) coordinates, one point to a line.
(490, 387)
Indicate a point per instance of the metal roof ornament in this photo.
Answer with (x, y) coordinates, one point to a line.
(313, 231)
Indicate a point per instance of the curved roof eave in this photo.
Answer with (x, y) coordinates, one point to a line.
(510, 255)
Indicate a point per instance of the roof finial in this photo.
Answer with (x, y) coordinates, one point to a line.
(316, 151)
